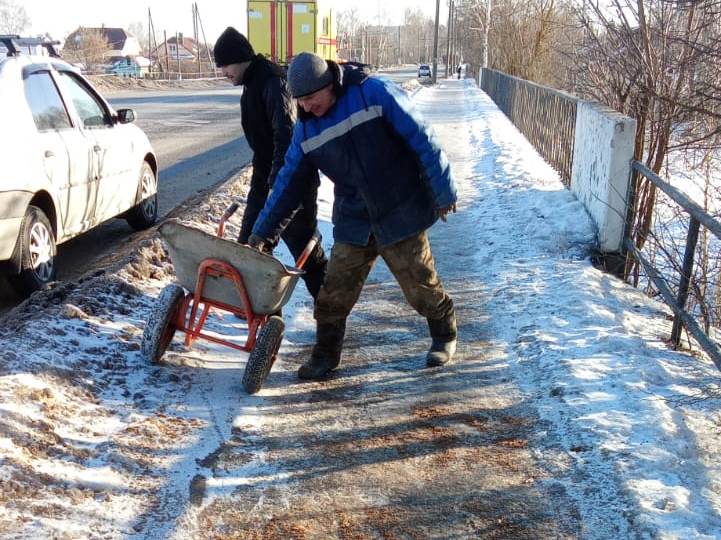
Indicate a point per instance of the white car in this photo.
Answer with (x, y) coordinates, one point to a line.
(68, 162)
(424, 70)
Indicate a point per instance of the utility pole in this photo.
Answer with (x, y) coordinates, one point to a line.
(205, 41)
(454, 38)
(153, 49)
(435, 43)
(400, 51)
(196, 37)
(485, 33)
(177, 56)
(167, 59)
(448, 38)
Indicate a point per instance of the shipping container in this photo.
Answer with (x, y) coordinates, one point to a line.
(280, 29)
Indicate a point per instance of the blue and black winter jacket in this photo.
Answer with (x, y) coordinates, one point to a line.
(389, 173)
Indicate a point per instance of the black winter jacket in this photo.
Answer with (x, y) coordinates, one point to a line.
(267, 115)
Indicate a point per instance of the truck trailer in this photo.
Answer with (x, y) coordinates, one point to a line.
(280, 29)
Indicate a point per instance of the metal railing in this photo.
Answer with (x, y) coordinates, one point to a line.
(698, 216)
(546, 117)
(158, 76)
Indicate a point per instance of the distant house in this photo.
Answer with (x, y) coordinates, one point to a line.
(137, 67)
(184, 48)
(121, 43)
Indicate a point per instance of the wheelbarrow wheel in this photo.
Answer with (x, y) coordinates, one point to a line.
(263, 355)
(160, 329)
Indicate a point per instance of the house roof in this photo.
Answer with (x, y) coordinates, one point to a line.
(116, 37)
(187, 43)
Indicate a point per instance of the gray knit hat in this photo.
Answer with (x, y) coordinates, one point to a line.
(308, 73)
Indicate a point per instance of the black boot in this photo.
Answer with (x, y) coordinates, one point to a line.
(443, 333)
(326, 352)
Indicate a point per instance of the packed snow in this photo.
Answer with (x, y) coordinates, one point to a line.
(565, 406)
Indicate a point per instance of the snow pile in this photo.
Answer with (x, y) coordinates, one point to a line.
(411, 86)
(83, 436)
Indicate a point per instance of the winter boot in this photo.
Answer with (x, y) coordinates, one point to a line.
(443, 333)
(326, 352)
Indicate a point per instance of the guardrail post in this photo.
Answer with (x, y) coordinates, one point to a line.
(686, 273)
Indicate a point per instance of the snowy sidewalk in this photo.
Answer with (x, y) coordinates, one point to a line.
(550, 423)
(562, 417)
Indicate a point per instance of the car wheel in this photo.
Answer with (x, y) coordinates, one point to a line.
(36, 244)
(145, 214)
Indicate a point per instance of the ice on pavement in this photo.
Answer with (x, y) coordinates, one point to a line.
(619, 429)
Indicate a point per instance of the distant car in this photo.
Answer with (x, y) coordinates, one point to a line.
(68, 162)
(424, 70)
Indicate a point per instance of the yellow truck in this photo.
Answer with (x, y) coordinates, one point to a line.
(280, 29)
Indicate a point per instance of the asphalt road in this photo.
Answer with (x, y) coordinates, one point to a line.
(399, 75)
(199, 142)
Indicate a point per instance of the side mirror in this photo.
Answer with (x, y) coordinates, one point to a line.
(126, 116)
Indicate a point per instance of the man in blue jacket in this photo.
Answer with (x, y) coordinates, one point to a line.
(392, 182)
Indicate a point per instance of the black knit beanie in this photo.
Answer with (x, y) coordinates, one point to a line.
(232, 47)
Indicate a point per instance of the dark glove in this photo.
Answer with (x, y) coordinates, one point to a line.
(443, 212)
(261, 244)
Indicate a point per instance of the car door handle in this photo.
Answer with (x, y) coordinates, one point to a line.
(49, 153)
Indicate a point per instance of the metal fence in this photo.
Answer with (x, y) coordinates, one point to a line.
(546, 117)
(697, 217)
(160, 76)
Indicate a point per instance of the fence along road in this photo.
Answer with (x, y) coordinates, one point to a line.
(549, 120)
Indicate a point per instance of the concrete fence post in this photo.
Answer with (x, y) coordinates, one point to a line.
(601, 172)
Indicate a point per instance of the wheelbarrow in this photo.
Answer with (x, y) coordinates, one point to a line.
(213, 272)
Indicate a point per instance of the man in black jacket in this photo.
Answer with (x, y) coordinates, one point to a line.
(268, 117)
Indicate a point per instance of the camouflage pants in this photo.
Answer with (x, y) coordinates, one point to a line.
(412, 264)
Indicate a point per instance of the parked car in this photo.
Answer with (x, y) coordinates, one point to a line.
(424, 70)
(68, 162)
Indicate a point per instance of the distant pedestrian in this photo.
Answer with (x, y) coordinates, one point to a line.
(392, 182)
(268, 117)
(460, 67)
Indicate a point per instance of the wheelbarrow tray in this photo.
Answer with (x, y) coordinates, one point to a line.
(269, 283)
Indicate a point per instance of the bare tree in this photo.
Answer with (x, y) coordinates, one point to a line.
(87, 46)
(658, 62)
(13, 18)
(527, 38)
(416, 36)
(349, 23)
(140, 32)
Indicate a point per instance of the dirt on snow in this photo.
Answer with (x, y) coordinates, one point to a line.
(387, 449)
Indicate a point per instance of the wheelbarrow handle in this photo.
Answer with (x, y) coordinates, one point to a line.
(300, 263)
(226, 216)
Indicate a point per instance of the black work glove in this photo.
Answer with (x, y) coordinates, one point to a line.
(261, 244)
